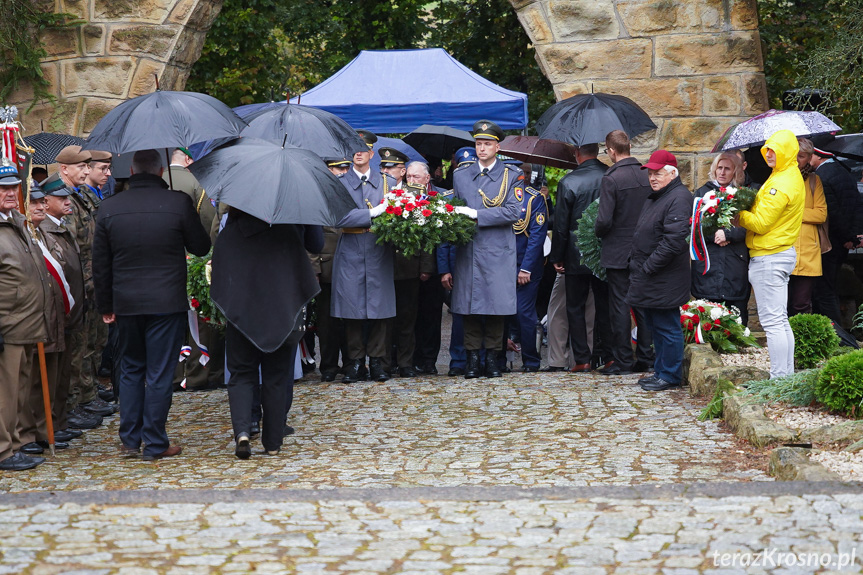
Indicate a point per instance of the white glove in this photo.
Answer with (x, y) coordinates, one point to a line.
(466, 211)
(377, 210)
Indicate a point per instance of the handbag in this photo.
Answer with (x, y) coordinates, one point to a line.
(823, 237)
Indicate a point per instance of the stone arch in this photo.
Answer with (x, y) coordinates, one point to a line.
(694, 65)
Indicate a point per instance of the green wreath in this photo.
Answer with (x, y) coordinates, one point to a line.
(587, 241)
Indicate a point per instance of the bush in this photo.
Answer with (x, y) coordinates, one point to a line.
(840, 385)
(814, 339)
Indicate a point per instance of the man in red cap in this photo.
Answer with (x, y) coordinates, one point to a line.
(659, 267)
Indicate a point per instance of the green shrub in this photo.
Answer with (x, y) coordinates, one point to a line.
(814, 339)
(840, 385)
(794, 389)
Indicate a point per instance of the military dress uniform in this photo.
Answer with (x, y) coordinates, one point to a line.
(484, 285)
(530, 233)
(363, 290)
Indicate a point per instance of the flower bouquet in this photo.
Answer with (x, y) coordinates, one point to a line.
(419, 220)
(709, 322)
(199, 271)
(712, 212)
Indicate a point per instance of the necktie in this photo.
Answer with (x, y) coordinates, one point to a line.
(484, 172)
(364, 179)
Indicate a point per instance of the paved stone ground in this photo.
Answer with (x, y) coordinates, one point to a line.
(528, 474)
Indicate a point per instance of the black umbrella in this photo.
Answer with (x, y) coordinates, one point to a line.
(849, 146)
(163, 119)
(438, 141)
(49, 144)
(305, 127)
(274, 184)
(588, 118)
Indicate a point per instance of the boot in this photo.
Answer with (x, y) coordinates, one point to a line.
(376, 369)
(491, 367)
(352, 370)
(471, 371)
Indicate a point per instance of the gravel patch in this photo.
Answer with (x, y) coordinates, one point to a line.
(748, 356)
(801, 417)
(849, 466)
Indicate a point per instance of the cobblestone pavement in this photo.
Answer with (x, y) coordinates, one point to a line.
(525, 430)
(528, 474)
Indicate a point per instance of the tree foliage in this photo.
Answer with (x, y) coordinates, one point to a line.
(259, 49)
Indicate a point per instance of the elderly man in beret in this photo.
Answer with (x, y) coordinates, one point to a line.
(24, 295)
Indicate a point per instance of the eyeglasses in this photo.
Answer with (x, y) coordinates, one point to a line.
(605, 151)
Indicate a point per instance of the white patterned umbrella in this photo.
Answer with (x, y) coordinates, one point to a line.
(755, 131)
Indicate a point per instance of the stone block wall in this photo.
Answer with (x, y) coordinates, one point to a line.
(115, 55)
(695, 66)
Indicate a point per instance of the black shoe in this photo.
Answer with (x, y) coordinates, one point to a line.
(491, 367)
(650, 379)
(57, 444)
(64, 435)
(32, 448)
(642, 367)
(328, 376)
(20, 462)
(552, 368)
(659, 384)
(612, 369)
(455, 371)
(530, 368)
(243, 449)
(255, 428)
(352, 371)
(81, 419)
(407, 372)
(376, 369)
(472, 369)
(288, 431)
(73, 433)
(98, 407)
(106, 394)
(430, 369)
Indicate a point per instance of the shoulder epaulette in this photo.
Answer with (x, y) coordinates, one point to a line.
(464, 165)
(531, 191)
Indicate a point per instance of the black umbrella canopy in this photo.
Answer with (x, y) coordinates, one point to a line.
(305, 127)
(164, 119)
(274, 184)
(588, 118)
(848, 146)
(438, 141)
(49, 144)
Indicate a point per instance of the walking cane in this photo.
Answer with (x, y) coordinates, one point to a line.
(46, 397)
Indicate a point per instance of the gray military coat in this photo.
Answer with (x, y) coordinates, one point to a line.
(484, 279)
(363, 270)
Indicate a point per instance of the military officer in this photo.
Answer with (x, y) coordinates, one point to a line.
(530, 233)
(330, 330)
(393, 163)
(363, 290)
(483, 283)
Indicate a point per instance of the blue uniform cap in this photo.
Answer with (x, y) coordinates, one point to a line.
(466, 154)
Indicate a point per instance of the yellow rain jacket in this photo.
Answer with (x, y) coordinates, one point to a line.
(773, 223)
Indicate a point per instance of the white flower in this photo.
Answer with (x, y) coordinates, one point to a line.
(208, 271)
(716, 313)
(439, 223)
(739, 321)
(421, 221)
(746, 332)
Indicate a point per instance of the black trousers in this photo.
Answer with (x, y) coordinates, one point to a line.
(620, 321)
(401, 333)
(331, 332)
(274, 372)
(825, 296)
(483, 331)
(578, 287)
(428, 322)
(366, 337)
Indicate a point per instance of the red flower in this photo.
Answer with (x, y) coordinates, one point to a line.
(706, 325)
(711, 210)
(397, 211)
(423, 203)
(683, 319)
(729, 197)
(432, 193)
(398, 193)
(449, 208)
(195, 303)
(427, 213)
(727, 332)
(391, 210)
(717, 322)
(409, 207)
(685, 306)
(205, 318)
(701, 308)
(722, 189)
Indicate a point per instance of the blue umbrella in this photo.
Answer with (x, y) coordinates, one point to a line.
(399, 145)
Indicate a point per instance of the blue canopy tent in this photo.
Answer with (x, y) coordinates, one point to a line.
(371, 93)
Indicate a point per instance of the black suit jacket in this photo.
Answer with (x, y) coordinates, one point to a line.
(623, 191)
(139, 250)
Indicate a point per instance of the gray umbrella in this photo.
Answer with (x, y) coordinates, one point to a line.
(163, 119)
(274, 184)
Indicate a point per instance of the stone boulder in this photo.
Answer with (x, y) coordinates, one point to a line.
(697, 358)
(703, 383)
(793, 464)
(748, 421)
